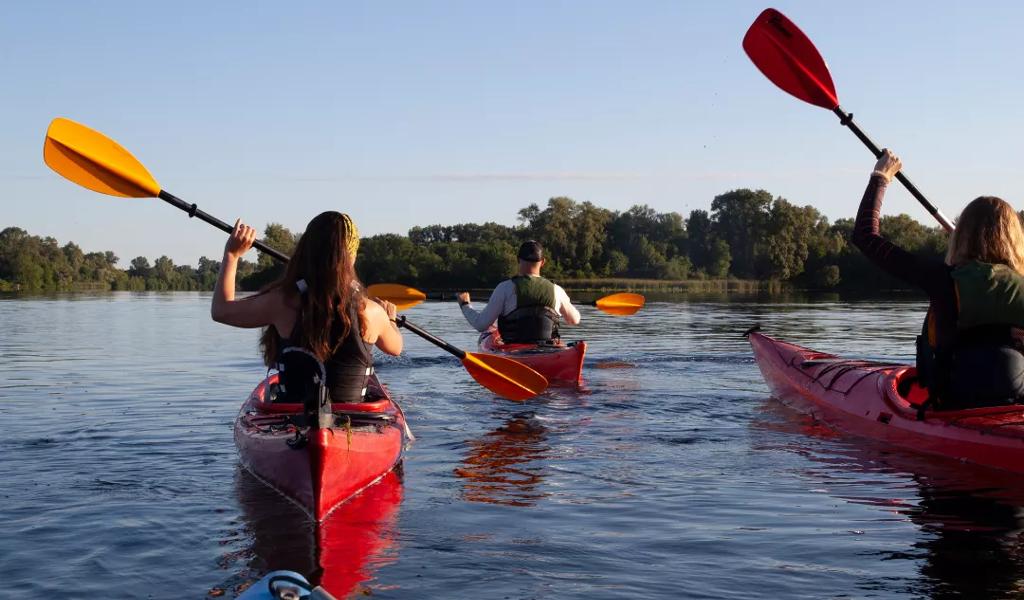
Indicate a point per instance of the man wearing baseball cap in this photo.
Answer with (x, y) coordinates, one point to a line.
(526, 307)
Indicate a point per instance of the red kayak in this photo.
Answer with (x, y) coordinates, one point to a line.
(883, 400)
(560, 363)
(320, 468)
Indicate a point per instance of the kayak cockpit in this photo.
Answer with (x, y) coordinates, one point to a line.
(378, 400)
(903, 389)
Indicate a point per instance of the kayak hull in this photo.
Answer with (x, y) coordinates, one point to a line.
(561, 363)
(882, 400)
(319, 469)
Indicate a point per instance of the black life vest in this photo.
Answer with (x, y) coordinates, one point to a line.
(534, 319)
(976, 358)
(346, 372)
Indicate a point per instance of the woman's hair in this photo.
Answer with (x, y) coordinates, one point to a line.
(324, 260)
(988, 230)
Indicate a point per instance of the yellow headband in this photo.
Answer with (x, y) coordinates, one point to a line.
(352, 235)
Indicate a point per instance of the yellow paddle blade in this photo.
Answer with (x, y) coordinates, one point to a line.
(622, 304)
(402, 296)
(94, 161)
(505, 377)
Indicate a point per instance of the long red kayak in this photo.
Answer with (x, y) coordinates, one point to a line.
(561, 363)
(882, 401)
(319, 469)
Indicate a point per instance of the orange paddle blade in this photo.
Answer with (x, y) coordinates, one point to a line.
(622, 304)
(505, 377)
(402, 296)
(94, 161)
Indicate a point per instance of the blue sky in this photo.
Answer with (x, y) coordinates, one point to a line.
(413, 113)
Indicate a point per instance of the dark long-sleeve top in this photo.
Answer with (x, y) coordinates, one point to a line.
(929, 274)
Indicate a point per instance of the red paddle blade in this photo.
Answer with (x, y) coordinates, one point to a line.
(789, 59)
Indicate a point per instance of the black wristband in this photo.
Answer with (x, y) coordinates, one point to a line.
(463, 303)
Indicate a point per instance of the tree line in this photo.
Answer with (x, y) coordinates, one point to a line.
(747, 234)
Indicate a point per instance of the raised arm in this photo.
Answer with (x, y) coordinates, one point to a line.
(254, 311)
(896, 261)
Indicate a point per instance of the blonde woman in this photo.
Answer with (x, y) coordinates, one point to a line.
(971, 350)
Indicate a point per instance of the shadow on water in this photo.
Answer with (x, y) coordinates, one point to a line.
(357, 539)
(970, 519)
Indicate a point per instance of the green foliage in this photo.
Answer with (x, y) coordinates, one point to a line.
(827, 276)
(32, 263)
(747, 234)
(740, 217)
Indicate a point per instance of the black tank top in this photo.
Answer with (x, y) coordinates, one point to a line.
(350, 366)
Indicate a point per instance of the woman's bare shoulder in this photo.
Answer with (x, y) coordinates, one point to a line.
(372, 310)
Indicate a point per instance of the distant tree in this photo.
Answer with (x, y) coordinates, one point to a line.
(792, 233)
(740, 218)
(140, 267)
(719, 259)
(827, 276)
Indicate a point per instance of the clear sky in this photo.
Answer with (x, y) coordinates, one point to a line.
(414, 113)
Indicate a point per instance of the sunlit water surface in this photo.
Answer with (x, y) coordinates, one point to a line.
(673, 475)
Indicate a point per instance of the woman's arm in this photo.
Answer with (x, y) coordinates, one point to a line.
(383, 332)
(920, 271)
(255, 311)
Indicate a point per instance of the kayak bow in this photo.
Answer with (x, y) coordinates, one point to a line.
(320, 469)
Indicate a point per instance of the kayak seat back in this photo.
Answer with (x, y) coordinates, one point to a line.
(380, 402)
(301, 377)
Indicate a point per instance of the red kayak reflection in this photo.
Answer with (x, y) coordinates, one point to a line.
(506, 466)
(971, 517)
(358, 538)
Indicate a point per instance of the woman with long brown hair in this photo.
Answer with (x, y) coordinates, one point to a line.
(971, 350)
(318, 305)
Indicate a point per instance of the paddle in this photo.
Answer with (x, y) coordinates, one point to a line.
(481, 366)
(505, 377)
(404, 297)
(789, 59)
(94, 161)
(621, 304)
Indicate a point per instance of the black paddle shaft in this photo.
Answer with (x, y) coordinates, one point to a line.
(846, 119)
(193, 211)
(401, 321)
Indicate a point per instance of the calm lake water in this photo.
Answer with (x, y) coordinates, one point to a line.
(674, 475)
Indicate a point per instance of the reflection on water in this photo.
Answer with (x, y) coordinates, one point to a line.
(342, 554)
(506, 466)
(671, 478)
(971, 518)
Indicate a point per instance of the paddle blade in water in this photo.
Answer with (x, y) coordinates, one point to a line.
(94, 161)
(505, 377)
(402, 296)
(623, 304)
(789, 59)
